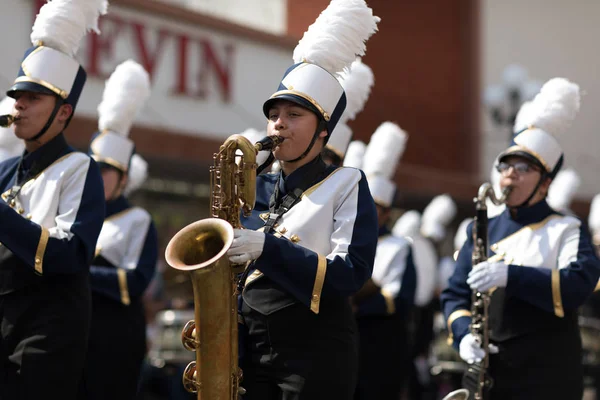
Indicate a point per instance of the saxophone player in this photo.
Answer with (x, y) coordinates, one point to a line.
(127, 249)
(51, 212)
(541, 266)
(313, 232)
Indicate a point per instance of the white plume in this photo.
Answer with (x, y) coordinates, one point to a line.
(555, 107)
(357, 84)
(436, 217)
(138, 172)
(384, 150)
(562, 189)
(594, 217)
(337, 36)
(355, 154)
(10, 144)
(61, 24)
(125, 92)
(461, 233)
(408, 224)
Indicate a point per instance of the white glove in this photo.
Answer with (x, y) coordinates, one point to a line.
(486, 275)
(247, 245)
(470, 350)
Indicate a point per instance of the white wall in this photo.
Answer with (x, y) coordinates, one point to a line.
(255, 68)
(265, 15)
(550, 38)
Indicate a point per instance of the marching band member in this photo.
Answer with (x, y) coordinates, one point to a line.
(541, 267)
(357, 84)
(312, 234)
(52, 212)
(383, 305)
(127, 249)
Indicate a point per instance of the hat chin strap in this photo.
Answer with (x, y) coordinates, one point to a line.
(535, 189)
(320, 127)
(59, 102)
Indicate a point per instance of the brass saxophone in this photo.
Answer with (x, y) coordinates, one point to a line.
(200, 248)
(476, 377)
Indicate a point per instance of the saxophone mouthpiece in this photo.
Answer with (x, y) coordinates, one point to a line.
(6, 120)
(268, 143)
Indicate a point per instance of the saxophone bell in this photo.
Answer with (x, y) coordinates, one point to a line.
(7, 120)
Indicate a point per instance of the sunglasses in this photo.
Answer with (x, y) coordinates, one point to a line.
(521, 167)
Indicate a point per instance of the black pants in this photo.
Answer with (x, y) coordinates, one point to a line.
(294, 354)
(116, 350)
(43, 339)
(542, 366)
(384, 355)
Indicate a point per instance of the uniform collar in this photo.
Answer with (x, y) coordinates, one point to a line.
(531, 214)
(117, 205)
(53, 147)
(293, 180)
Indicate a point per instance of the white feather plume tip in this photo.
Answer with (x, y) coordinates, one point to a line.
(61, 24)
(461, 234)
(436, 216)
(563, 189)
(555, 107)
(138, 172)
(337, 36)
(384, 150)
(357, 84)
(125, 92)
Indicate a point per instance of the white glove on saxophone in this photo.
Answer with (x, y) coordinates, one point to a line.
(487, 275)
(470, 350)
(247, 245)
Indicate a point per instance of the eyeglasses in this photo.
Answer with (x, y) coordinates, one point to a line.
(521, 167)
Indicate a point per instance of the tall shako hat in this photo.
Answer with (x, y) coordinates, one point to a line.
(50, 66)
(541, 122)
(355, 154)
(381, 159)
(10, 144)
(408, 224)
(436, 217)
(326, 50)
(138, 173)
(357, 84)
(563, 189)
(125, 93)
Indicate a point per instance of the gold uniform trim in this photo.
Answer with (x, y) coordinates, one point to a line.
(314, 187)
(556, 296)
(41, 250)
(122, 275)
(306, 97)
(453, 317)
(524, 149)
(390, 307)
(597, 288)
(315, 300)
(535, 226)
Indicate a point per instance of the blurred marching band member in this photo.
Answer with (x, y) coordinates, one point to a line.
(312, 234)
(383, 305)
(563, 190)
(127, 249)
(541, 267)
(357, 84)
(52, 213)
